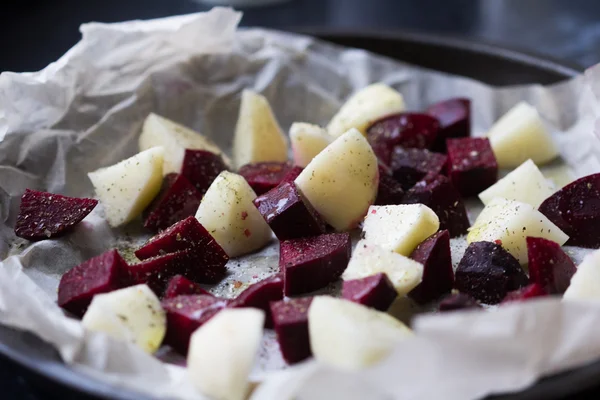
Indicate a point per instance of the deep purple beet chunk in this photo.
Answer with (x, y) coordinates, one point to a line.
(549, 266)
(309, 264)
(45, 215)
(441, 196)
(472, 165)
(528, 292)
(290, 320)
(179, 285)
(458, 301)
(575, 209)
(376, 291)
(389, 191)
(454, 116)
(185, 314)
(178, 200)
(438, 276)
(409, 166)
(488, 272)
(101, 274)
(260, 294)
(264, 176)
(201, 167)
(292, 174)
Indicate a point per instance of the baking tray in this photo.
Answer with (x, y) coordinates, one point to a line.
(39, 365)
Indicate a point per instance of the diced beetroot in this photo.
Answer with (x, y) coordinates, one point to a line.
(201, 167)
(290, 319)
(185, 314)
(458, 301)
(472, 165)
(292, 174)
(209, 257)
(575, 209)
(376, 291)
(549, 265)
(179, 285)
(101, 274)
(389, 191)
(260, 294)
(438, 276)
(488, 272)
(179, 199)
(412, 165)
(312, 263)
(408, 130)
(45, 215)
(454, 116)
(264, 176)
(530, 291)
(289, 213)
(441, 196)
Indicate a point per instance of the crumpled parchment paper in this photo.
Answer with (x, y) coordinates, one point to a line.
(85, 111)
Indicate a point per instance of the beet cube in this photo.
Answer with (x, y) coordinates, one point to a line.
(409, 166)
(264, 176)
(185, 314)
(309, 264)
(575, 209)
(389, 191)
(472, 165)
(101, 274)
(179, 285)
(408, 130)
(441, 196)
(179, 199)
(45, 215)
(438, 276)
(157, 271)
(260, 294)
(376, 291)
(549, 265)
(488, 272)
(288, 212)
(290, 319)
(292, 174)
(454, 116)
(530, 291)
(458, 301)
(201, 167)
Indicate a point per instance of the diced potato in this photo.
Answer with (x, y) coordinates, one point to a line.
(222, 353)
(133, 314)
(370, 259)
(175, 138)
(341, 182)
(520, 135)
(365, 107)
(400, 228)
(227, 212)
(126, 188)
(510, 222)
(585, 284)
(349, 335)
(307, 141)
(526, 183)
(258, 136)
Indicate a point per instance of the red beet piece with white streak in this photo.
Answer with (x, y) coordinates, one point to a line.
(101, 274)
(201, 167)
(438, 276)
(389, 191)
(375, 291)
(454, 116)
(472, 166)
(179, 285)
(549, 266)
(309, 264)
(178, 200)
(264, 176)
(45, 215)
(530, 291)
(290, 319)
(259, 295)
(410, 166)
(289, 214)
(185, 314)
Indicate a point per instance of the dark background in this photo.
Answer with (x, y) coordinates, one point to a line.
(35, 33)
